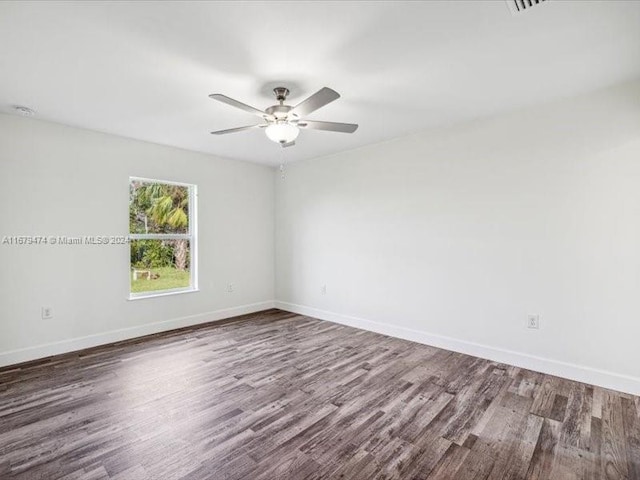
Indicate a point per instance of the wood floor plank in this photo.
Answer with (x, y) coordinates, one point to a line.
(544, 397)
(632, 431)
(544, 454)
(275, 395)
(450, 462)
(614, 464)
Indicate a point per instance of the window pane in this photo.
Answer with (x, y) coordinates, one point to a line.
(156, 207)
(160, 265)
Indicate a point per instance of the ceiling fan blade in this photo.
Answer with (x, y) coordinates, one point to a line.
(329, 126)
(238, 129)
(290, 144)
(318, 100)
(240, 105)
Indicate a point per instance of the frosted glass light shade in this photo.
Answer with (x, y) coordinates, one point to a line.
(282, 132)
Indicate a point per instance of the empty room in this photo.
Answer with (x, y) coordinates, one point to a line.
(286, 240)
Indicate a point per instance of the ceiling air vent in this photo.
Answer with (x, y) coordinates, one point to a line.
(520, 6)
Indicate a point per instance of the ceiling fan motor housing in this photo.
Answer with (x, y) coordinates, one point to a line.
(281, 112)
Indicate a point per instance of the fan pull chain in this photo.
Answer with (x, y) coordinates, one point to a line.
(282, 175)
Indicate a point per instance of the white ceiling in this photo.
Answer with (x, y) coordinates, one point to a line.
(144, 69)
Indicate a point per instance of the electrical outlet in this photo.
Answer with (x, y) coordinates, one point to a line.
(47, 313)
(230, 287)
(533, 321)
(323, 290)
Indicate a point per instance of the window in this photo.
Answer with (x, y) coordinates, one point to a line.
(162, 237)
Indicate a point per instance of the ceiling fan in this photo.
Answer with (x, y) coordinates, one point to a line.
(282, 123)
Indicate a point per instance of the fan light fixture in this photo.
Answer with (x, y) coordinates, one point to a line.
(282, 132)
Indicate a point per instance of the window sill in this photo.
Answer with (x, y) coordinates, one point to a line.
(162, 293)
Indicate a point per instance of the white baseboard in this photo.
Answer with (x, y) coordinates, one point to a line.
(592, 376)
(13, 357)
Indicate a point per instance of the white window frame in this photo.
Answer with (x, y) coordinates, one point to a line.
(191, 236)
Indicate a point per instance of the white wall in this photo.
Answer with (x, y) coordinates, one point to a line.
(57, 180)
(453, 237)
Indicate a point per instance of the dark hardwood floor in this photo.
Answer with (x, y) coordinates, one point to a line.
(280, 396)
